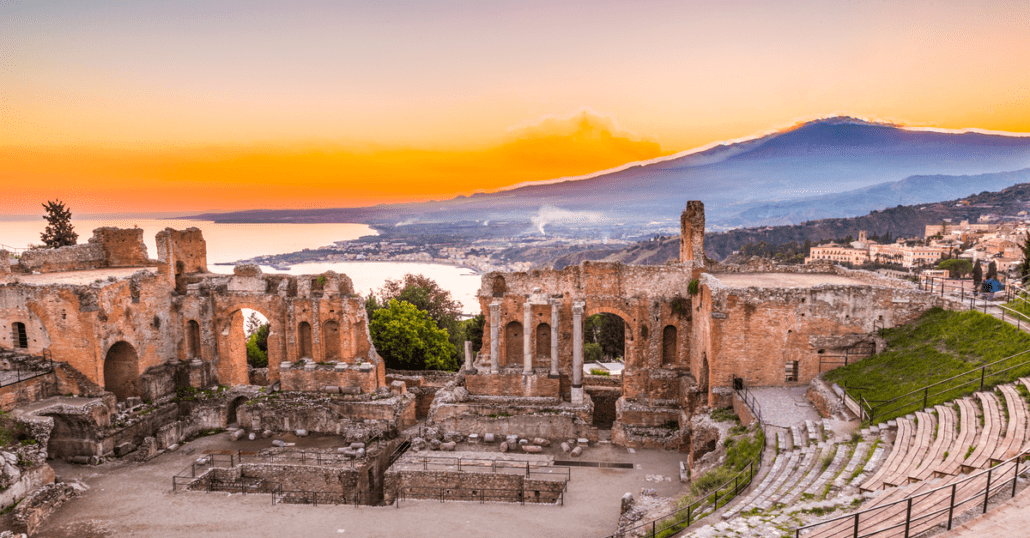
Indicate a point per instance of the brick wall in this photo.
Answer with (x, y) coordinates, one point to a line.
(512, 384)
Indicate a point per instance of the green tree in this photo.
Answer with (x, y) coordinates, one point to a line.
(427, 295)
(592, 352)
(474, 332)
(956, 267)
(978, 275)
(257, 347)
(59, 231)
(408, 338)
(608, 331)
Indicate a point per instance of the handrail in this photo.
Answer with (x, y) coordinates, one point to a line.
(925, 390)
(986, 492)
(697, 509)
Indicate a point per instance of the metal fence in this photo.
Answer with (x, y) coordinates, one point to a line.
(928, 509)
(18, 374)
(480, 495)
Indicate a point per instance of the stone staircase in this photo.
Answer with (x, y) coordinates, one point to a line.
(814, 477)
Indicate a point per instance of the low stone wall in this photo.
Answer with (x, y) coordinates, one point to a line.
(513, 384)
(742, 410)
(304, 477)
(495, 487)
(5, 263)
(72, 258)
(318, 378)
(327, 415)
(40, 505)
(25, 392)
(553, 421)
(30, 480)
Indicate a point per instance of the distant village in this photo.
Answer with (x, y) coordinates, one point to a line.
(992, 239)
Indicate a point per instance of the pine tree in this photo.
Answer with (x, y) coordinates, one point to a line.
(978, 275)
(59, 231)
(992, 271)
(1024, 267)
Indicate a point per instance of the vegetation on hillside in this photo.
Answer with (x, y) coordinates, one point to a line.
(939, 345)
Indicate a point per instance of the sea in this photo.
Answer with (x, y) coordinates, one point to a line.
(227, 243)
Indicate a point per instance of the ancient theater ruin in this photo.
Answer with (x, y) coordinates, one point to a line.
(116, 354)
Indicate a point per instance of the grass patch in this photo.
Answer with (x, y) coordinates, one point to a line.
(725, 414)
(939, 345)
(599, 371)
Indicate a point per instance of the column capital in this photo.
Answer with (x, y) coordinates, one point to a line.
(577, 308)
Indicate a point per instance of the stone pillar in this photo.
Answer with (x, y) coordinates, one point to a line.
(692, 235)
(469, 367)
(527, 342)
(555, 306)
(495, 323)
(577, 353)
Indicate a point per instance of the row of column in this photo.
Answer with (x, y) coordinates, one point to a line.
(527, 349)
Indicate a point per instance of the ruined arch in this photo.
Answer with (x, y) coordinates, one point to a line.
(192, 340)
(121, 370)
(304, 340)
(331, 340)
(627, 329)
(670, 345)
(499, 287)
(513, 344)
(232, 367)
(230, 415)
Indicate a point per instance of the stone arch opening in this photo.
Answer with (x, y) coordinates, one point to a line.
(513, 344)
(230, 416)
(304, 340)
(249, 340)
(605, 338)
(331, 340)
(542, 357)
(670, 346)
(192, 340)
(19, 337)
(121, 370)
(499, 287)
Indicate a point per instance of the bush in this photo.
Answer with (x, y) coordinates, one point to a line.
(592, 352)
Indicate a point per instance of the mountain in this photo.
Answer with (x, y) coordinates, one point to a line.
(741, 183)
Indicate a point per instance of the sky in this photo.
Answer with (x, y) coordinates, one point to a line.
(218, 105)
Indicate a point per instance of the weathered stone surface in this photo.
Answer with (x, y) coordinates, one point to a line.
(566, 448)
(576, 452)
(533, 449)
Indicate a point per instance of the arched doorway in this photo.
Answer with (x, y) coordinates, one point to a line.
(304, 340)
(121, 371)
(513, 344)
(669, 346)
(331, 338)
(542, 357)
(230, 416)
(604, 338)
(192, 340)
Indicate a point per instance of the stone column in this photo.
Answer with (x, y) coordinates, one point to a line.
(469, 367)
(577, 353)
(495, 323)
(527, 341)
(555, 306)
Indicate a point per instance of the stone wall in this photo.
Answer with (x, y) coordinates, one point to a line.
(40, 505)
(513, 384)
(28, 391)
(5, 264)
(123, 247)
(304, 477)
(29, 481)
(494, 487)
(70, 258)
(318, 377)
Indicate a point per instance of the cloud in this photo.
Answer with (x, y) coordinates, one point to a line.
(549, 214)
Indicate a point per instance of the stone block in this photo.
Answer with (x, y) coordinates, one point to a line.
(473, 438)
(302, 433)
(582, 441)
(488, 438)
(235, 435)
(576, 452)
(504, 446)
(565, 447)
(533, 449)
(331, 390)
(541, 441)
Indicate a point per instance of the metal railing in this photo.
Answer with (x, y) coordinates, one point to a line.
(927, 509)
(480, 495)
(858, 352)
(19, 374)
(921, 397)
(676, 521)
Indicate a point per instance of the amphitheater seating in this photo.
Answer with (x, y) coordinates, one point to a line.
(1015, 432)
(991, 435)
(968, 433)
(943, 443)
(921, 442)
(902, 442)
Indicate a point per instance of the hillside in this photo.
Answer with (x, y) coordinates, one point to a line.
(737, 180)
(900, 221)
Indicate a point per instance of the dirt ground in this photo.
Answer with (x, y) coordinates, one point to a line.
(135, 499)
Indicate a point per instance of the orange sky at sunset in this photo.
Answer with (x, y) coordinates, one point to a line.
(230, 104)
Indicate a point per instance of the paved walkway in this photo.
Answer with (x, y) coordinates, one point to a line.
(784, 407)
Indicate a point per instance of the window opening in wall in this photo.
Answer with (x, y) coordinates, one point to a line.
(543, 345)
(791, 371)
(192, 339)
(669, 345)
(304, 339)
(331, 339)
(18, 335)
(513, 344)
(256, 329)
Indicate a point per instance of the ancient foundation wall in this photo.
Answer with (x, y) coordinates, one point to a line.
(28, 391)
(513, 384)
(493, 487)
(528, 421)
(319, 377)
(30, 480)
(123, 247)
(70, 258)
